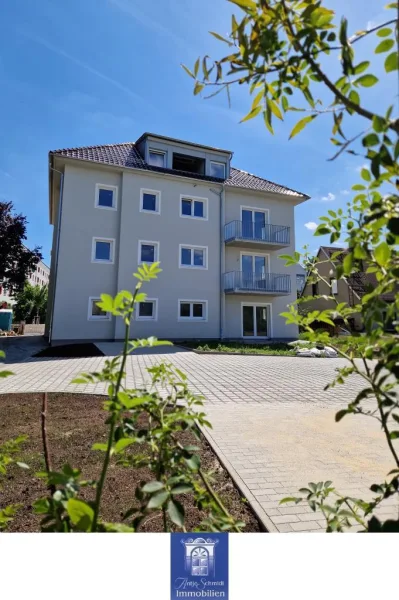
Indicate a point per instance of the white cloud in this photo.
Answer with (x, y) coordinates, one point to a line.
(363, 166)
(345, 192)
(329, 198)
(311, 225)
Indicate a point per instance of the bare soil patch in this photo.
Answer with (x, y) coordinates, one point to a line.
(74, 423)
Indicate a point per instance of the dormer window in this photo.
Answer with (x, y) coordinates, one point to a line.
(157, 158)
(191, 164)
(218, 170)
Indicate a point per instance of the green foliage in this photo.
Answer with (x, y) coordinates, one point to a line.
(16, 260)
(151, 418)
(278, 48)
(31, 303)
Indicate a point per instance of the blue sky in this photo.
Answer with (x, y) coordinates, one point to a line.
(104, 71)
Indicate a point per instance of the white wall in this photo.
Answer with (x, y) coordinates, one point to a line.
(280, 212)
(79, 278)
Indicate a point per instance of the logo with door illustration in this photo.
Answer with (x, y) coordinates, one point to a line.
(199, 566)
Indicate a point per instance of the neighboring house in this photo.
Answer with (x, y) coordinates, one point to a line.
(300, 279)
(40, 276)
(217, 231)
(347, 289)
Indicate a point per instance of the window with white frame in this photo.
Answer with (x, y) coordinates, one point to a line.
(150, 201)
(217, 169)
(103, 250)
(106, 196)
(95, 313)
(147, 310)
(148, 252)
(193, 310)
(193, 207)
(157, 158)
(193, 256)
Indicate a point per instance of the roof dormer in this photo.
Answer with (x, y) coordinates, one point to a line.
(187, 157)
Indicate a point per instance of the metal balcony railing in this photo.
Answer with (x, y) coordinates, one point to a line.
(257, 232)
(276, 283)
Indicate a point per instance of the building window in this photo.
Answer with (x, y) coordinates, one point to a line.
(193, 207)
(334, 286)
(148, 310)
(315, 289)
(148, 252)
(193, 310)
(95, 313)
(190, 164)
(218, 170)
(150, 201)
(157, 158)
(193, 257)
(103, 250)
(106, 196)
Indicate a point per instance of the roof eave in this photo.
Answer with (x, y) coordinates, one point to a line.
(297, 199)
(170, 139)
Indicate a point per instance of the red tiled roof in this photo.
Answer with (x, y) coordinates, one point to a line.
(127, 155)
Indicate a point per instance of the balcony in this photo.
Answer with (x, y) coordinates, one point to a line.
(240, 282)
(256, 235)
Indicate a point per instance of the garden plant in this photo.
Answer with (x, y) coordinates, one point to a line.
(151, 418)
(287, 52)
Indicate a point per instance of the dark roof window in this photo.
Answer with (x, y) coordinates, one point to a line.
(190, 164)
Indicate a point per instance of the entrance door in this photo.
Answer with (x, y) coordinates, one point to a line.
(253, 224)
(255, 320)
(254, 268)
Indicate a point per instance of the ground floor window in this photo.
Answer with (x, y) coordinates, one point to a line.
(193, 310)
(255, 320)
(95, 313)
(148, 310)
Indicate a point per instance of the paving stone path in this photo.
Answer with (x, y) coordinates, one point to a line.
(273, 424)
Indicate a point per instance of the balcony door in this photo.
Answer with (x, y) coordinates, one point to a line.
(254, 269)
(254, 223)
(255, 320)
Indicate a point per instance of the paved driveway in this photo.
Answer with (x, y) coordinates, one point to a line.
(273, 425)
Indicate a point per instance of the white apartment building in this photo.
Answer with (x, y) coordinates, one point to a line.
(40, 276)
(216, 230)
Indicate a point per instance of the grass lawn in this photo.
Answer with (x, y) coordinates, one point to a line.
(74, 423)
(277, 348)
(344, 343)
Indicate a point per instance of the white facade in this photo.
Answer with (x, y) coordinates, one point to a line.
(218, 243)
(41, 275)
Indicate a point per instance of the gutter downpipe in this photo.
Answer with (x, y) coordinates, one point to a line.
(57, 246)
(221, 195)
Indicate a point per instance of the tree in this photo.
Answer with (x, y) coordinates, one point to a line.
(16, 261)
(281, 50)
(31, 303)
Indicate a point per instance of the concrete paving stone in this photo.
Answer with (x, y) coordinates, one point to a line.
(273, 424)
(285, 528)
(310, 516)
(285, 519)
(302, 526)
(294, 510)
